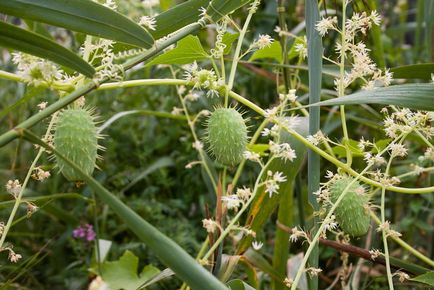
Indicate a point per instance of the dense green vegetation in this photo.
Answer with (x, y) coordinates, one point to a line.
(330, 195)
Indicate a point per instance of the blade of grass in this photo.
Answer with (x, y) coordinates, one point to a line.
(315, 51)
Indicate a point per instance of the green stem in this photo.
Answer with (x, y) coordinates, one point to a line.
(236, 57)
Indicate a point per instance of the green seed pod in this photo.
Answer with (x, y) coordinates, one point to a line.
(352, 212)
(227, 136)
(76, 138)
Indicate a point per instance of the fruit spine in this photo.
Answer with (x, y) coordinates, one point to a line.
(76, 138)
(227, 136)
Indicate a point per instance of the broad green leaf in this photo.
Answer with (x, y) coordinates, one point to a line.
(239, 285)
(80, 15)
(187, 51)
(228, 39)
(414, 71)
(218, 8)
(413, 96)
(19, 39)
(427, 278)
(177, 17)
(274, 51)
(170, 253)
(122, 274)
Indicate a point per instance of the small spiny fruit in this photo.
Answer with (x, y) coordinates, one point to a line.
(227, 136)
(352, 213)
(76, 138)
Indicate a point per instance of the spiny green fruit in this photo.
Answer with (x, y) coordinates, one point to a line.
(76, 138)
(352, 212)
(227, 136)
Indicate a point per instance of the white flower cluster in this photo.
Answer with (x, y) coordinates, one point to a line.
(282, 150)
(363, 67)
(148, 22)
(272, 184)
(36, 71)
(203, 79)
(406, 121)
(263, 41)
(102, 51)
(13, 187)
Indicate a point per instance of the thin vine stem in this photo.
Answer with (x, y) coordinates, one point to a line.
(240, 212)
(24, 185)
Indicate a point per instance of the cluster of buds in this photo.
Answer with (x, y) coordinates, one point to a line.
(203, 79)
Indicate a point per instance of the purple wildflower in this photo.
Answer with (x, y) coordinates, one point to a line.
(84, 232)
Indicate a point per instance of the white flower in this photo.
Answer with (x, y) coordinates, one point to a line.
(13, 187)
(209, 225)
(41, 174)
(231, 201)
(279, 177)
(244, 193)
(252, 156)
(375, 18)
(325, 24)
(148, 22)
(257, 245)
(397, 150)
(42, 105)
(265, 132)
(263, 41)
(271, 187)
(301, 49)
(14, 257)
(197, 145)
(176, 111)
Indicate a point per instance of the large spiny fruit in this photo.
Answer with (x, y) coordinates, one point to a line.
(76, 138)
(352, 213)
(227, 136)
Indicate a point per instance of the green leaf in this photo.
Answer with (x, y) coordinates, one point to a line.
(414, 71)
(228, 39)
(413, 96)
(19, 39)
(427, 278)
(80, 15)
(218, 8)
(184, 14)
(122, 274)
(274, 51)
(187, 51)
(239, 285)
